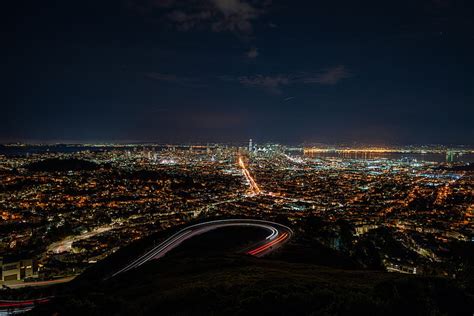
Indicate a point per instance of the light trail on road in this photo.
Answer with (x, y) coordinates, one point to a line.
(18, 307)
(253, 185)
(65, 245)
(268, 245)
(279, 234)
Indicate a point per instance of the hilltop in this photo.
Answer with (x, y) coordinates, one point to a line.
(213, 281)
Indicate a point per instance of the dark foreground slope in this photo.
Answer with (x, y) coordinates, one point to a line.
(192, 281)
(237, 285)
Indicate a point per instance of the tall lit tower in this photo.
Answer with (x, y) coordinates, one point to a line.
(250, 145)
(450, 156)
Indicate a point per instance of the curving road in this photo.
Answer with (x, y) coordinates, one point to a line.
(278, 235)
(19, 307)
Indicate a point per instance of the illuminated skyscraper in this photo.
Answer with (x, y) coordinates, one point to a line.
(250, 145)
(450, 156)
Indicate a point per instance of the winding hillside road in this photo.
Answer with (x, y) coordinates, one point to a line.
(279, 234)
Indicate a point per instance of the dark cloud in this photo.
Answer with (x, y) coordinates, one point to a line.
(273, 83)
(330, 76)
(187, 21)
(252, 53)
(237, 16)
(192, 82)
(270, 83)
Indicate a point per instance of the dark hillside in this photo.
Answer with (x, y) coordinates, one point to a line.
(63, 165)
(204, 278)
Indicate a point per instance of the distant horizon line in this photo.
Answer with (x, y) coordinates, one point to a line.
(232, 143)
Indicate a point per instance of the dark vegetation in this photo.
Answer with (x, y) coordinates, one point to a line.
(63, 165)
(206, 276)
(466, 167)
(241, 285)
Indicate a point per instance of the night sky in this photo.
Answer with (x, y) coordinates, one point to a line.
(378, 72)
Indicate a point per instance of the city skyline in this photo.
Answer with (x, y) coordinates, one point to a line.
(237, 157)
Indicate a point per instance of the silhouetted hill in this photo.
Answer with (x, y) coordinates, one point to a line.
(62, 165)
(239, 285)
(199, 279)
(466, 167)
